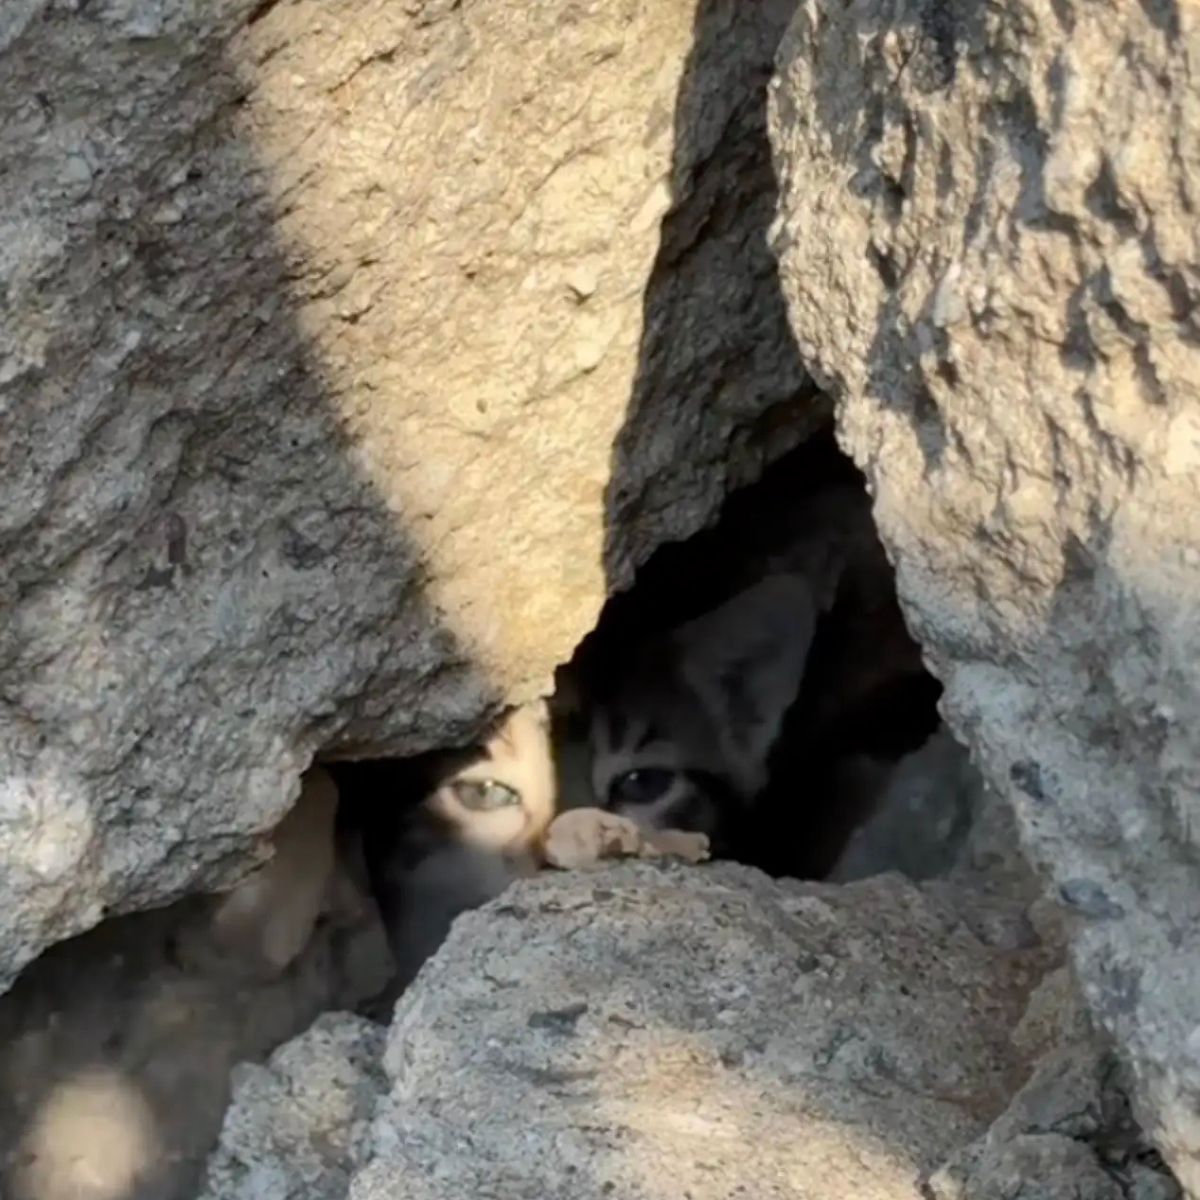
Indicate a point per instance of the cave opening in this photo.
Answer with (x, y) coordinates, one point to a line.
(863, 699)
(861, 703)
(862, 706)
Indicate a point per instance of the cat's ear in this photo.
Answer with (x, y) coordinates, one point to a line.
(745, 661)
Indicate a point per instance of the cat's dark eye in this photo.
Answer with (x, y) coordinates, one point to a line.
(642, 786)
(485, 795)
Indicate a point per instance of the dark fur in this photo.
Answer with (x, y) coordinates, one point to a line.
(865, 698)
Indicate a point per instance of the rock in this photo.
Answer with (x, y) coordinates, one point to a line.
(1068, 1132)
(930, 805)
(1046, 1167)
(298, 1125)
(938, 822)
(988, 245)
(319, 325)
(647, 1030)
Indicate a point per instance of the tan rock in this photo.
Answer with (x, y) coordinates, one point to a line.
(651, 1030)
(338, 384)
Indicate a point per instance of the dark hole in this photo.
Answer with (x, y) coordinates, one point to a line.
(865, 693)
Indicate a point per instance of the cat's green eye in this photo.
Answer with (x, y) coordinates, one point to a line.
(485, 795)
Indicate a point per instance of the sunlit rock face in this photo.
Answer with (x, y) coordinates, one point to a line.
(988, 245)
(342, 371)
(650, 1032)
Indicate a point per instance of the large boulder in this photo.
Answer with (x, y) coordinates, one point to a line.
(989, 247)
(319, 323)
(648, 1031)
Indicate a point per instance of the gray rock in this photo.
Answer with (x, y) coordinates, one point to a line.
(931, 804)
(988, 246)
(649, 1030)
(1068, 1132)
(318, 326)
(1045, 1167)
(298, 1124)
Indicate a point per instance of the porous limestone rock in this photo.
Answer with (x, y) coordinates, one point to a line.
(989, 247)
(319, 323)
(652, 1030)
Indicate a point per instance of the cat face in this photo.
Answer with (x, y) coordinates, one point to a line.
(681, 734)
(502, 795)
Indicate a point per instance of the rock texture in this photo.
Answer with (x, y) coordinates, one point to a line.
(299, 1124)
(651, 1031)
(988, 243)
(932, 808)
(1068, 1132)
(319, 321)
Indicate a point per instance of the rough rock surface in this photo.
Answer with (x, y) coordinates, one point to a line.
(653, 1031)
(1068, 1132)
(933, 803)
(299, 1124)
(319, 322)
(990, 252)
